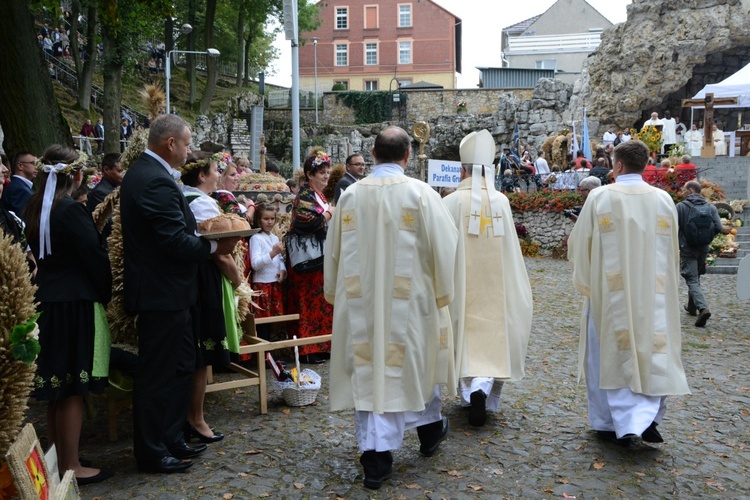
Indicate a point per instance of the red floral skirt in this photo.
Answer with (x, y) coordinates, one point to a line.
(271, 300)
(305, 297)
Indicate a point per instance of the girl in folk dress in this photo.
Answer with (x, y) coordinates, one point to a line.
(268, 266)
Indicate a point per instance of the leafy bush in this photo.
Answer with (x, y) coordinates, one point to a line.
(369, 106)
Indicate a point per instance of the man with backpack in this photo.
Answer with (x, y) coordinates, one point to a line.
(698, 223)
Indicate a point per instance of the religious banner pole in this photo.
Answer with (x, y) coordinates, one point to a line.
(421, 132)
(708, 150)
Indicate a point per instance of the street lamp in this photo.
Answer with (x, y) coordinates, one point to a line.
(315, 57)
(209, 52)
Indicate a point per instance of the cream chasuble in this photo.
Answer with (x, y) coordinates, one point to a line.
(625, 255)
(389, 265)
(492, 308)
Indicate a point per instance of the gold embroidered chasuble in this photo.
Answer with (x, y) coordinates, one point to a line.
(625, 256)
(389, 266)
(492, 308)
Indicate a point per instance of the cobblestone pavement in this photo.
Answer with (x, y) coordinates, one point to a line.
(538, 445)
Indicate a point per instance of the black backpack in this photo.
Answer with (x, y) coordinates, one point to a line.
(699, 228)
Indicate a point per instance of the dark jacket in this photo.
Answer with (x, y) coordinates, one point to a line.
(97, 195)
(15, 196)
(683, 214)
(78, 267)
(343, 183)
(161, 250)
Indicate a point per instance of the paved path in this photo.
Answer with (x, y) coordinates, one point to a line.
(539, 445)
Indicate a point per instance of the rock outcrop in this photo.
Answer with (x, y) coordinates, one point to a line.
(664, 52)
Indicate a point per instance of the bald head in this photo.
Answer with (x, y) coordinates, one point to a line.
(392, 145)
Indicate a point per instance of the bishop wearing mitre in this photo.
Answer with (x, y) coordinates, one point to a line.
(491, 311)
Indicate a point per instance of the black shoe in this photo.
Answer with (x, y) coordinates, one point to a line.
(478, 410)
(184, 452)
(652, 435)
(690, 311)
(378, 467)
(431, 435)
(703, 316)
(103, 475)
(611, 436)
(190, 432)
(312, 359)
(165, 465)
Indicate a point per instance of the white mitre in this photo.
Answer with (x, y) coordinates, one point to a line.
(478, 150)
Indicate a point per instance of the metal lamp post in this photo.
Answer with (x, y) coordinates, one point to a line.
(315, 57)
(168, 70)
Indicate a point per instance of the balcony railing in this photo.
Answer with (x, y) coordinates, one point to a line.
(542, 44)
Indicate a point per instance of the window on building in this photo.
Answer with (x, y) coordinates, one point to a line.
(404, 15)
(404, 52)
(371, 54)
(342, 53)
(402, 83)
(546, 64)
(340, 83)
(371, 85)
(342, 18)
(371, 16)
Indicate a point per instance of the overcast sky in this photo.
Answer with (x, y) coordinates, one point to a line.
(482, 22)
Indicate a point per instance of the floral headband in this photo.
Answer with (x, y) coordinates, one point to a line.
(224, 162)
(62, 168)
(320, 159)
(200, 163)
(93, 180)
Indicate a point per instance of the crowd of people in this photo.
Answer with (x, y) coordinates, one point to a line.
(418, 290)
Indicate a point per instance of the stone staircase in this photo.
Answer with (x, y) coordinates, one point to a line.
(729, 266)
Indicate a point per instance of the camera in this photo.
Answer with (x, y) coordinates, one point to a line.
(571, 212)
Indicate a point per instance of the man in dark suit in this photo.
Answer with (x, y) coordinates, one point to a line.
(355, 170)
(18, 192)
(162, 254)
(111, 178)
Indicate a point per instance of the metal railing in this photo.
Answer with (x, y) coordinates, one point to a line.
(534, 44)
(66, 75)
(283, 98)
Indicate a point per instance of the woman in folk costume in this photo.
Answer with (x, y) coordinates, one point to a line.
(228, 183)
(215, 328)
(74, 280)
(304, 244)
(492, 308)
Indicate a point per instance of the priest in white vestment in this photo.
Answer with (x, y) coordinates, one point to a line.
(719, 143)
(625, 256)
(668, 132)
(653, 121)
(694, 141)
(492, 308)
(389, 266)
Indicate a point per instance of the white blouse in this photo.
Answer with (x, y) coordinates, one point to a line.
(265, 269)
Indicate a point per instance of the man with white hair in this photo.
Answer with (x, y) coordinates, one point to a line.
(491, 311)
(653, 121)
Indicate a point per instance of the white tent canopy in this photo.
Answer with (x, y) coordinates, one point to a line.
(737, 85)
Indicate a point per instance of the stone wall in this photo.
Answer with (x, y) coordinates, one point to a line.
(732, 174)
(548, 229)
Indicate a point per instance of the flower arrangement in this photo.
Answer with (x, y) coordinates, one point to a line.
(544, 201)
(460, 106)
(225, 159)
(200, 163)
(650, 135)
(711, 191)
(321, 158)
(529, 247)
(676, 151)
(24, 340)
(93, 180)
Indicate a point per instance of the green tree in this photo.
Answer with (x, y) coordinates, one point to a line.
(84, 69)
(29, 113)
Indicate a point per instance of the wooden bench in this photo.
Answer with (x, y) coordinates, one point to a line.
(259, 346)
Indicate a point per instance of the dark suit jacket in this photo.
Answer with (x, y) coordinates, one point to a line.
(97, 195)
(161, 250)
(15, 196)
(346, 181)
(78, 267)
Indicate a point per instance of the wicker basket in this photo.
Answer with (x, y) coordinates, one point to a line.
(297, 394)
(302, 394)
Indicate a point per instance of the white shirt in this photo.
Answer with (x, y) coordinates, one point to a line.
(265, 268)
(609, 137)
(541, 166)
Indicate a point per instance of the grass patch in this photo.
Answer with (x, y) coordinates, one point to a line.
(697, 345)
